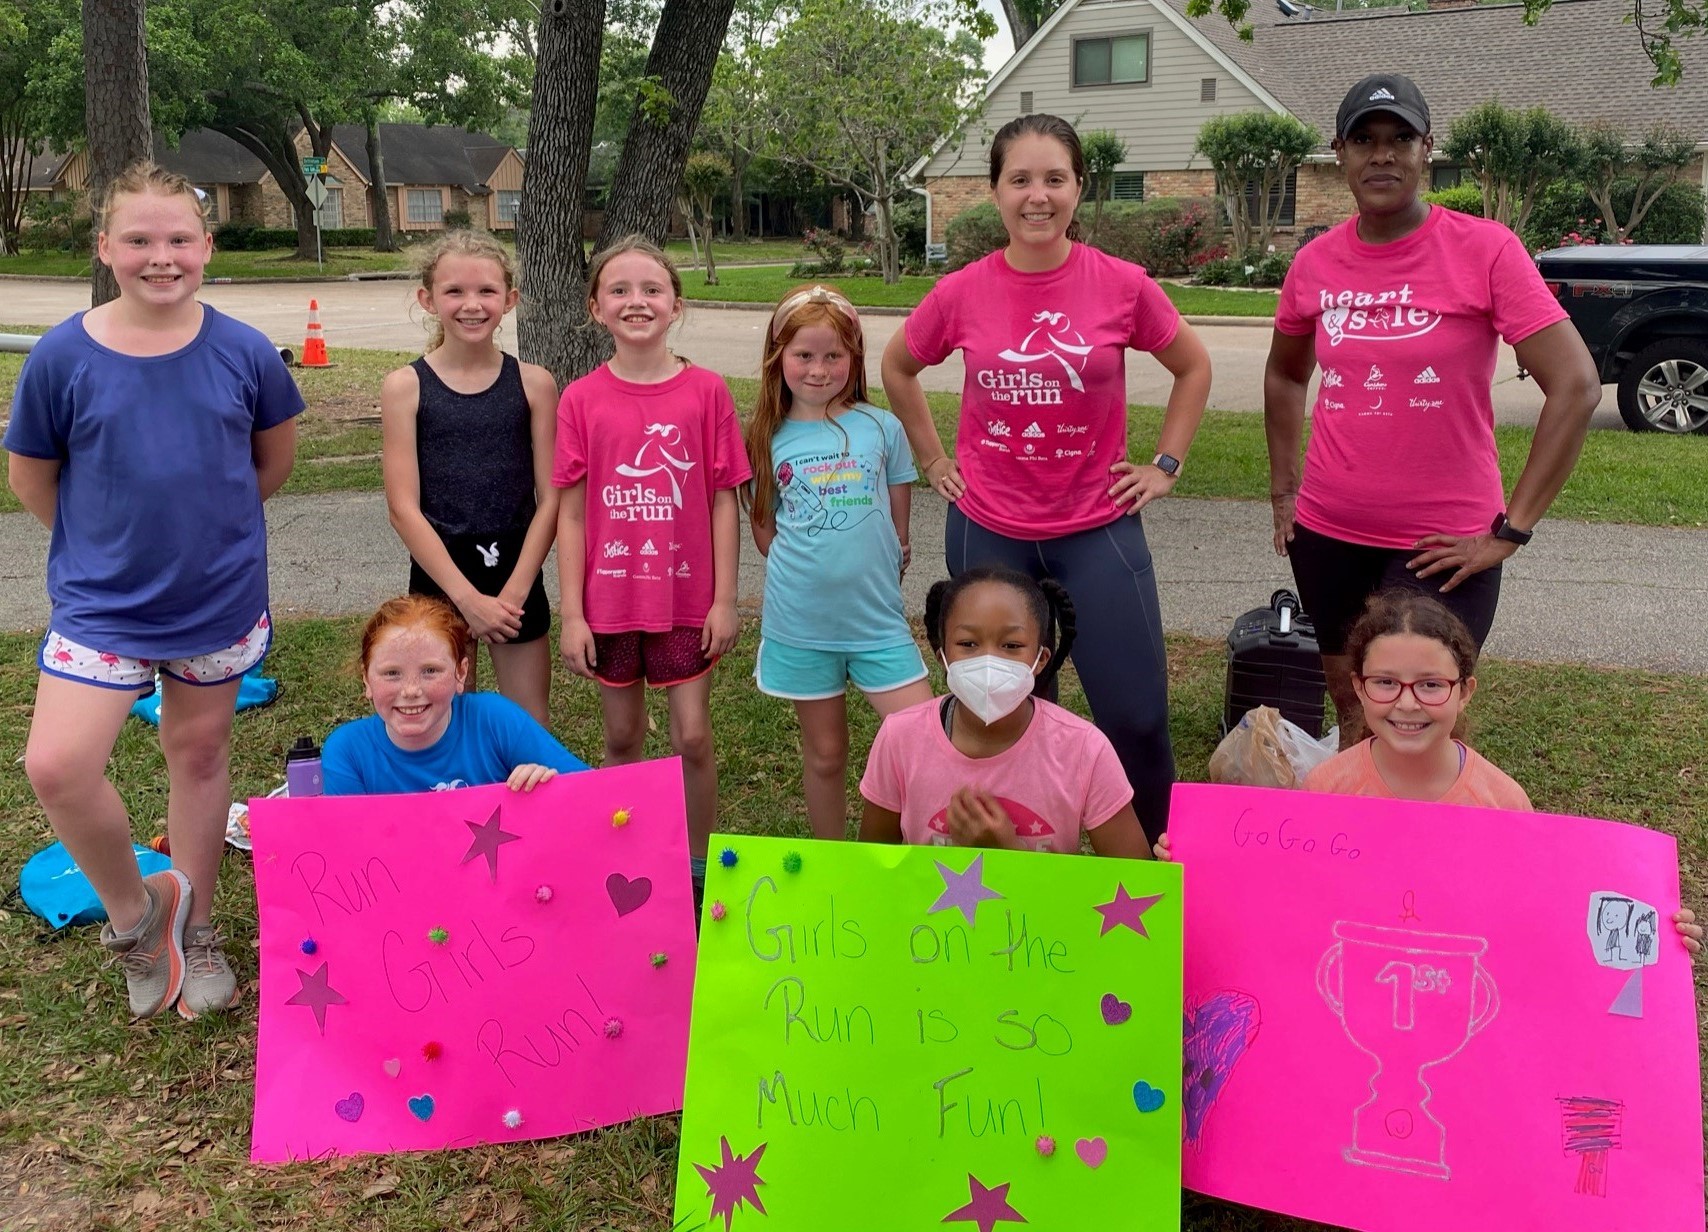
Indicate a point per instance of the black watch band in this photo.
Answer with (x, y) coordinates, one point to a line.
(1502, 529)
(1168, 464)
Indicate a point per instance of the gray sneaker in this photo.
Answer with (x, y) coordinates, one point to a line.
(152, 953)
(209, 985)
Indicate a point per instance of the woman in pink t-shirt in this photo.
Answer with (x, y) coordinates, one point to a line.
(1403, 307)
(1040, 479)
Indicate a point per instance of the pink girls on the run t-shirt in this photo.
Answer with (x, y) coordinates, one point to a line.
(1044, 404)
(1402, 434)
(653, 456)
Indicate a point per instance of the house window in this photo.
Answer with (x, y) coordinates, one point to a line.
(509, 204)
(1120, 61)
(1025, 102)
(425, 205)
(1207, 89)
(1448, 175)
(1287, 193)
(1127, 186)
(331, 214)
(210, 202)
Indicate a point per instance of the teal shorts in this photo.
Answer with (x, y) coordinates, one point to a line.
(813, 675)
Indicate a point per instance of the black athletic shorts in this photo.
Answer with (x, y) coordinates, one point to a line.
(488, 561)
(1336, 578)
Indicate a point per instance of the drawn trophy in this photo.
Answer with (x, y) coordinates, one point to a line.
(1410, 1000)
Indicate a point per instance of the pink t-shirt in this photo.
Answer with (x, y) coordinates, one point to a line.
(1044, 405)
(1059, 778)
(1402, 438)
(653, 457)
(1480, 782)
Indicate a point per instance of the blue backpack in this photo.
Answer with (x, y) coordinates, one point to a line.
(53, 887)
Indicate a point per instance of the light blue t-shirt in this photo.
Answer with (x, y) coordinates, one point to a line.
(159, 548)
(833, 575)
(489, 736)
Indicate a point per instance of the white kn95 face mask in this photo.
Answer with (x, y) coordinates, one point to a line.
(990, 685)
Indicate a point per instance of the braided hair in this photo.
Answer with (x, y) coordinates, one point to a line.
(1047, 601)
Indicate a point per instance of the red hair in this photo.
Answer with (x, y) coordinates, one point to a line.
(418, 612)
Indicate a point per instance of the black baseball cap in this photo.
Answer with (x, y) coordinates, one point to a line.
(1390, 92)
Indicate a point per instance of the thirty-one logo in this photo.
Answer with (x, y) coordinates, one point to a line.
(1053, 337)
(1375, 380)
(1033, 431)
(1382, 95)
(1427, 377)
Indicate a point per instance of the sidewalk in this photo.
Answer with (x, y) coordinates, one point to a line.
(1626, 596)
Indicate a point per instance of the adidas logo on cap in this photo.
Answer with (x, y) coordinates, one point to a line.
(1382, 95)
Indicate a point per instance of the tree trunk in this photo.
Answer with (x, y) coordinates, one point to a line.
(708, 224)
(1020, 22)
(553, 327)
(16, 164)
(115, 105)
(278, 153)
(737, 195)
(889, 250)
(379, 196)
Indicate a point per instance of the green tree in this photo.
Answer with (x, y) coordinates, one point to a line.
(1104, 151)
(1606, 156)
(734, 119)
(705, 175)
(1513, 154)
(864, 89)
(1252, 153)
(28, 30)
(116, 112)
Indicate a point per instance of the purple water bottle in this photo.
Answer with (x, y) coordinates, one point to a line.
(302, 769)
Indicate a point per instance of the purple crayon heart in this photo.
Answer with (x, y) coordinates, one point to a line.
(350, 1108)
(1115, 1010)
(1218, 1029)
(627, 895)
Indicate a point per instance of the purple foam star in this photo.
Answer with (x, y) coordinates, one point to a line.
(733, 1182)
(964, 890)
(1125, 909)
(317, 993)
(988, 1208)
(489, 836)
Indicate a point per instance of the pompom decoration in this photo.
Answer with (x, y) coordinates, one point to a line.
(792, 862)
(1046, 1146)
(620, 817)
(660, 958)
(513, 1119)
(719, 911)
(432, 1050)
(309, 945)
(438, 936)
(543, 894)
(613, 1028)
(727, 857)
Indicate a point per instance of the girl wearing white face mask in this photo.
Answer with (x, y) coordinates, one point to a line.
(993, 765)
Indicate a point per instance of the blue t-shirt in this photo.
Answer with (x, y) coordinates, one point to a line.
(159, 547)
(489, 736)
(833, 575)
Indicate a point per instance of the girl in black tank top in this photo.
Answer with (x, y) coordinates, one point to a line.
(468, 434)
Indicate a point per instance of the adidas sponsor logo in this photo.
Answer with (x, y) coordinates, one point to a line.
(1033, 431)
(1427, 377)
(647, 549)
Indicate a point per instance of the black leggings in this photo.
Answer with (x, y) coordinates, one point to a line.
(1119, 651)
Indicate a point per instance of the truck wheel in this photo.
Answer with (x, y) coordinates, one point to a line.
(1665, 388)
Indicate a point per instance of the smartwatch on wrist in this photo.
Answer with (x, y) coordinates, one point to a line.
(1168, 464)
(1502, 529)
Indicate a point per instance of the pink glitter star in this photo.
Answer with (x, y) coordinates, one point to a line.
(733, 1182)
(988, 1208)
(1125, 909)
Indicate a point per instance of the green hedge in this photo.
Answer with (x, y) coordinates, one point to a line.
(250, 237)
(1464, 198)
(1164, 235)
(1565, 208)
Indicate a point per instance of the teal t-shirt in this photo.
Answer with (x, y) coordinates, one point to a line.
(833, 575)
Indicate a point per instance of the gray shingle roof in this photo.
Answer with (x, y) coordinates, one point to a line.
(1582, 61)
(206, 157)
(423, 154)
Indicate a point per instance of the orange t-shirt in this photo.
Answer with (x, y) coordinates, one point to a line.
(1480, 782)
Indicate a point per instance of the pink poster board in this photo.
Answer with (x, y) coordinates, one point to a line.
(480, 965)
(1404, 1017)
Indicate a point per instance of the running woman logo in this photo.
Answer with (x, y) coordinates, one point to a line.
(661, 452)
(1374, 316)
(1051, 343)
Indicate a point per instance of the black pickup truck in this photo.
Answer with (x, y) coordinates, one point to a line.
(1643, 312)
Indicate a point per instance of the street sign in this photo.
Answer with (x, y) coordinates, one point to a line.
(317, 192)
(313, 166)
(935, 253)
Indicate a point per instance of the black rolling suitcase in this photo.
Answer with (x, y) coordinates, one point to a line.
(1273, 660)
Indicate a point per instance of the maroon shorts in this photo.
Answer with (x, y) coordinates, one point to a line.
(660, 659)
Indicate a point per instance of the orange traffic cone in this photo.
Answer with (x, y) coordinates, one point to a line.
(314, 349)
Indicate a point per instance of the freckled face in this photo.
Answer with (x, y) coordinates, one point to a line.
(817, 369)
(411, 678)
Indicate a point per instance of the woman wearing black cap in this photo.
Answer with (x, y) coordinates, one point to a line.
(1402, 306)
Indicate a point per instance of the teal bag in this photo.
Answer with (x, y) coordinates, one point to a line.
(54, 887)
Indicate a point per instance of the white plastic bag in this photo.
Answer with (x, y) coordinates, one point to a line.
(1305, 753)
(1266, 750)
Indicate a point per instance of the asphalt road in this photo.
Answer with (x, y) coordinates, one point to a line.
(1581, 593)
(383, 314)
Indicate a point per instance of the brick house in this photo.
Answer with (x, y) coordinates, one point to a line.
(1147, 71)
(431, 171)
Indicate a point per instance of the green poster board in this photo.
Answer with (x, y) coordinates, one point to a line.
(883, 1035)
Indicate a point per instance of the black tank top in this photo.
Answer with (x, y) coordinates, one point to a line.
(475, 454)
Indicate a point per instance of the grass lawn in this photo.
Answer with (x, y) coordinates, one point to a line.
(269, 263)
(103, 1125)
(1646, 479)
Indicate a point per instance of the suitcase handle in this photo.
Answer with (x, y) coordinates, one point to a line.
(1286, 603)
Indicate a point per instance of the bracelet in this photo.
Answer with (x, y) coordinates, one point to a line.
(1279, 495)
(934, 461)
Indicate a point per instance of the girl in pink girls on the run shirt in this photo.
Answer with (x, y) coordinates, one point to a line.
(649, 457)
(1040, 480)
(1403, 307)
(145, 434)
